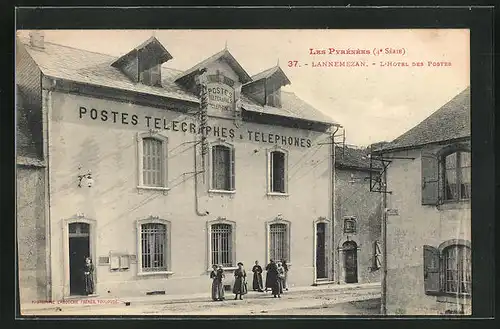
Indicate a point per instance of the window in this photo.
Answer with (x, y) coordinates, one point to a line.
(151, 76)
(223, 168)
(350, 225)
(277, 171)
(447, 269)
(457, 269)
(222, 244)
(278, 238)
(152, 164)
(274, 99)
(446, 174)
(153, 246)
(457, 176)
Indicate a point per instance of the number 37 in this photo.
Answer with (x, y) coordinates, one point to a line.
(292, 63)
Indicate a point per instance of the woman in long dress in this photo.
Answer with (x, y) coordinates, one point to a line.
(88, 276)
(217, 275)
(269, 275)
(257, 277)
(240, 284)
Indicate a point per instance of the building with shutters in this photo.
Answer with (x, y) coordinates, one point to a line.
(358, 214)
(428, 241)
(157, 173)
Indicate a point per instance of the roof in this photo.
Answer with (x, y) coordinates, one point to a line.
(450, 122)
(82, 66)
(354, 158)
(224, 55)
(269, 73)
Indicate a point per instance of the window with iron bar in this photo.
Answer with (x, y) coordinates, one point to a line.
(154, 247)
(222, 244)
(278, 239)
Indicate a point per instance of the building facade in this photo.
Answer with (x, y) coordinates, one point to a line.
(428, 241)
(358, 217)
(156, 174)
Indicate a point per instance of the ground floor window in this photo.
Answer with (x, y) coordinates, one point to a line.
(222, 244)
(154, 246)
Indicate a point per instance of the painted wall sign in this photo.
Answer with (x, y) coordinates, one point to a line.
(162, 123)
(220, 97)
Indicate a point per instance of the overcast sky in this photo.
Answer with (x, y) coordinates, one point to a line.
(372, 103)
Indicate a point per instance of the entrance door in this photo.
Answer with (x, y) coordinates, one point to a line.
(351, 261)
(79, 249)
(321, 251)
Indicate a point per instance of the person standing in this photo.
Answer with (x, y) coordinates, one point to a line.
(88, 276)
(285, 280)
(240, 284)
(281, 278)
(272, 279)
(217, 276)
(257, 277)
(269, 275)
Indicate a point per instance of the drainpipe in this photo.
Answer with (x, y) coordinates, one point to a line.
(196, 197)
(383, 303)
(332, 239)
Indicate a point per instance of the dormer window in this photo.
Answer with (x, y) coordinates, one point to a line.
(143, 63)
(265, 88)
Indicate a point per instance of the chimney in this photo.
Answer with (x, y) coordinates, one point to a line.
(37, 39)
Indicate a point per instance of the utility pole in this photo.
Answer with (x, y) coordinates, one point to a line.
(383, 305)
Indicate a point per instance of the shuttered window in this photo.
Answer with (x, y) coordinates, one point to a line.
(278, 239)
(278, 174)
(447, 272)
(223, 168)
(222, 244)
(153, 162)
(154, 247)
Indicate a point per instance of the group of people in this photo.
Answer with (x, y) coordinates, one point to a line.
(276, 280)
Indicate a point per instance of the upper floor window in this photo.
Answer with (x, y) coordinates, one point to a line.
(274, 99)
(446, 175)
(350, 225)
(151, 76)
(447, 269)
(457, 176)
(277, 171)
(152, 161)
(223, 168)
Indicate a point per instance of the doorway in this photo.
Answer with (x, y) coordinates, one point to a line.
(79, 249)
(350, 249)
(321, 271)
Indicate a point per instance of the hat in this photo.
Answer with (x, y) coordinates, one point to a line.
(240, 263)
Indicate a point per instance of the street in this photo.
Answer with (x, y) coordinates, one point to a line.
(364, 301)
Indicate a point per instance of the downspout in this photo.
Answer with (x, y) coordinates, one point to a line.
(332, 239)
(196, 197)
(47, 108)
(383, 303)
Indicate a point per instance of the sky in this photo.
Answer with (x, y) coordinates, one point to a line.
(372, 103)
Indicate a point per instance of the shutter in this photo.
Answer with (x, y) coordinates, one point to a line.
(271, 172)
(431, 270)
(430, 179)
(231, 169)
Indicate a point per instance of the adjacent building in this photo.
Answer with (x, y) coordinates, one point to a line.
(156, 173)
(358, 214)
(429, 237)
